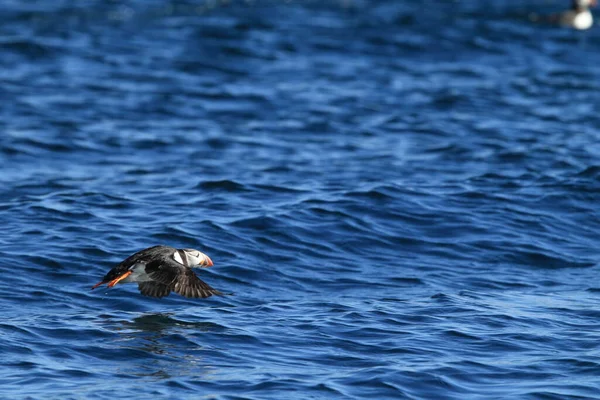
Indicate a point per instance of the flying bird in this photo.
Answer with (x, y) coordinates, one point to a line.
(160, 270)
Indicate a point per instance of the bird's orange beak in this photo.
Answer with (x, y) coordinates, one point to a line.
(207, 262)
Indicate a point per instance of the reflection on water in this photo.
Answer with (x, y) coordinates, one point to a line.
(164, 347)
(158, 322)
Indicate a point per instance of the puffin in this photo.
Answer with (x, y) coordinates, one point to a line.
(160, 270)
(578, 16)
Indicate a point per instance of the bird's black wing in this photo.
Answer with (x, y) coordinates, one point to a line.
(189, 285)
(179, 278)
(146, 255)
(142, 256)
(154, 289)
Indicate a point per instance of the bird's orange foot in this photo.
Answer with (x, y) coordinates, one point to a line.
(115, 281)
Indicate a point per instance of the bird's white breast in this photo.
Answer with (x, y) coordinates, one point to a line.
(583, 20)
(138, 273)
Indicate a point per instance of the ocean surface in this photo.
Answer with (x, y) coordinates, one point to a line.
(402, 196)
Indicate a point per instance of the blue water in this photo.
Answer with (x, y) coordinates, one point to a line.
(402, 196)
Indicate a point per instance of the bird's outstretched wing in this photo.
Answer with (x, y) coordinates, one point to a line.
(180, 279)
(189, 285)
(154, 289)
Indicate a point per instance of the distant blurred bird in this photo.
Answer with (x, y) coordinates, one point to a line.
(578, 17)
(159, 270)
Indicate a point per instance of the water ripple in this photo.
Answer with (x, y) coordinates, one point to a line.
(402, 204)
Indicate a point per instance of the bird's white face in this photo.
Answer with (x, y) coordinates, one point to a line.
(194, 258)
(586, 3)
